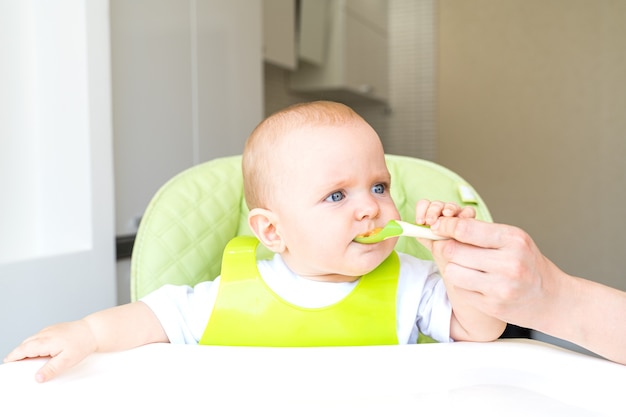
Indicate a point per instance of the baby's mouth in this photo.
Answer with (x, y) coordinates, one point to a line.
(369, 232)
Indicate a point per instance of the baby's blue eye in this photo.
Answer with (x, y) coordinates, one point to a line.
(336, 196)
(379, 189)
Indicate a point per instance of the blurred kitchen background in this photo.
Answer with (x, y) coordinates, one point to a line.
(526, 99)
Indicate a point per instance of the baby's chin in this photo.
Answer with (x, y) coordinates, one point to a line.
(369, 261)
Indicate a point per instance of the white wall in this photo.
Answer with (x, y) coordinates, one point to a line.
(56, 178)
(532, 110)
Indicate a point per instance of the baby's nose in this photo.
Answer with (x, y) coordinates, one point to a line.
(367, 207)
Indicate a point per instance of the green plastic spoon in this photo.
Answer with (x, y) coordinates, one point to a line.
(397, 228)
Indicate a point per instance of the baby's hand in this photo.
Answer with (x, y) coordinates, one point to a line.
(66, 344)
(427, 212)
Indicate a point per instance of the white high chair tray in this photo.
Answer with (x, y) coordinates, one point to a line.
(513, 377)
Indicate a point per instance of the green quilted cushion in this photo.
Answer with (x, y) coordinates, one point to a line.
(187, 225)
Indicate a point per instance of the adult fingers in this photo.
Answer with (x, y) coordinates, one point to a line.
(484, 291)
(448, 253)
(468, 278)
(479, 233)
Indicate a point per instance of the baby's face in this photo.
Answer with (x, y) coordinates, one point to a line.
(334, 185)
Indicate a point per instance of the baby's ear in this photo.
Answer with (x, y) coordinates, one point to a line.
(263, 225)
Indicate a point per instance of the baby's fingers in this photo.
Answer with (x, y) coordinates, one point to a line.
(468, 212)
(58, 362)
(420, 211)
(54, 366)
(54, 343)
(439, 208)
(29, 348)
(34, 348)
(427, 212)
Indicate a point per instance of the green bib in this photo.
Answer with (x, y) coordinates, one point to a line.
(248, 313)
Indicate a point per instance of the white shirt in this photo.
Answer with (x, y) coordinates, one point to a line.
(422, 302)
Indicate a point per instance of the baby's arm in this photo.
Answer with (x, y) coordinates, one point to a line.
(118, 328)
(467, 322)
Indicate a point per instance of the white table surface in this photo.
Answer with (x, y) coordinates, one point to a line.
(512, 377)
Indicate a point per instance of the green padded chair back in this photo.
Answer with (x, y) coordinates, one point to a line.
(191, 218)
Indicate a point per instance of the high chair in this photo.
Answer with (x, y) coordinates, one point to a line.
(193, 216)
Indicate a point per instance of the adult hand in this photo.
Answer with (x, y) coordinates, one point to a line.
(499, 267)
(501, 272)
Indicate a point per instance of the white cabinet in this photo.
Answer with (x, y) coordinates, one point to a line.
(279, 33)
(187, 87)
(351, 37)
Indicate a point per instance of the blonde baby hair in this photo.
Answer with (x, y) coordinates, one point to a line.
(259, 155)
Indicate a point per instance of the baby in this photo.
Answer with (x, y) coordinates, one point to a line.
(314, 178)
